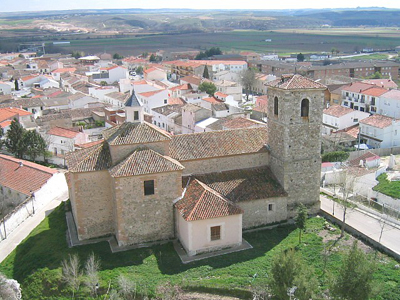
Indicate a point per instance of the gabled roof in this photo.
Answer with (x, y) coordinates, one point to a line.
(357, 87)
(134, 133)
(337, 111)
(212, 100)
(375, 91)
(295, 82)
(378, 121)
(242, 123)
(385, 83)
(244, 184)
(23, 176)
(368, 156)
(145, 161)
(151, 93)
(95, 158)
(63, 132)
(200, 202)
(218, 143)
(192, 79)
(9, 112)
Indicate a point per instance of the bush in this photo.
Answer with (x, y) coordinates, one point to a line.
(335, 156)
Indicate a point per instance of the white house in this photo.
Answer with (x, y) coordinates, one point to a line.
(230, 88)
(63, 140)
(153, 99)
(164, 116)
(116, 99)
(110, 74)
(380, 131)
(100, 91)
(154, 73)
(6, 87)
(389, 104)
(337, 117)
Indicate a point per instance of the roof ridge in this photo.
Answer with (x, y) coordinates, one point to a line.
(90, 153)
(125, 161)
(196, 205)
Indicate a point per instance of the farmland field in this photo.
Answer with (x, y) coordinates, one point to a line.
(289, 41)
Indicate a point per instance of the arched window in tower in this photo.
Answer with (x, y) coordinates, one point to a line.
(276, 106)
(305, 108)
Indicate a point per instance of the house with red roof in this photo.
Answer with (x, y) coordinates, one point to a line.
(153, 99)
(63, 140)
(19, 181)
(154, 73)
(389, 104)
(8, 114)
(379, 131)
(338, 117)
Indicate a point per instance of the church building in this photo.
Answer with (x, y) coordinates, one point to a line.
(143, 185)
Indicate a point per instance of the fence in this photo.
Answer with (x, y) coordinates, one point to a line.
(378, 151)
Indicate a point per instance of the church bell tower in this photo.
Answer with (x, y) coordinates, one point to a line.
(295, 107)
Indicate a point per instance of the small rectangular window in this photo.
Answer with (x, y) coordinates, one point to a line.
(270, 207)
(148, 187)
(215, 233)
(136, 115)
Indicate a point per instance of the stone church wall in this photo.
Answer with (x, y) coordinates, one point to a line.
(141, 218)
(219, 164)
(92, 205)
(256, 212)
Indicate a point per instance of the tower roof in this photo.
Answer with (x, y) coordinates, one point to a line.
(132, 101)
(295, 82)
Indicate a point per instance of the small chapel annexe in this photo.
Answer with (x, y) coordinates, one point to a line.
(143, 185)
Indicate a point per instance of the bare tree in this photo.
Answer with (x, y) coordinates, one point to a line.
(9, 289)
(127, 287)
(92, 268)
(248, 80)
(71, 273)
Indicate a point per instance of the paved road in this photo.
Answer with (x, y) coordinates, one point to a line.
(23, 230)
(367, 224)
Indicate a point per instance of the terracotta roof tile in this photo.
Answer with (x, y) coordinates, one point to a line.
(9, 112)
(95, 158)
(175, 100)
(357, 87)
(241, 122)
(25, 178)
(145, 161)
(200, 202)
(337, 111)
(368, 156)
(378, 121)
(134, 133)
(212, 100)
(375, 91)
(218, 143)
(151, 93)
(295, 82)
(64, 132)
(192, 79)
(244, 184)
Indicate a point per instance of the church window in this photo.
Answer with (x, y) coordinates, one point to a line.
(270, 207)
(276, 106)
(215, 233)
(305, 107)
(136, 115)
(148, 187)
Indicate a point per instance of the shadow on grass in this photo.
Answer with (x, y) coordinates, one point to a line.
(46, 246)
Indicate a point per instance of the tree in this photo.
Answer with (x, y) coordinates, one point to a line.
(300, 57)
(139, 70)
(117, 56)
(1, 138)
(103, 83)
(335, 156)
(248, 79)
(127, 288)
(200, 56)
(289, 271)
(35, 144)
(92, 268)
(15, 139)
(16, 85)
(301, 219)
(376, 75)
(153, 58)
(71, 273)
(205, 73)
(9, 289)
(208, 87)
(354, 281)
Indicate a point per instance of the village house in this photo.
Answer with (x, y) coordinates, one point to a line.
(8, 114)
(62, 140)
(201, 188)
(380, 131)
(154, 73)
(337, 117)
(388, 104)
(110, 74)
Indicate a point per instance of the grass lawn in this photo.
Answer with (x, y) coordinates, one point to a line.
(387, 187)
(36, 262)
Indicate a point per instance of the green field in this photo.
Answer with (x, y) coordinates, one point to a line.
(238, 40)
(36, 262)
(387, 187)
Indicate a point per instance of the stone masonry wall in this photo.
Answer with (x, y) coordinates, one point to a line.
(92, 205)
(140, 218)
(219, 164)
(256, 212)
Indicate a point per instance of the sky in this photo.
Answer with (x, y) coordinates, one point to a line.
(41, 5)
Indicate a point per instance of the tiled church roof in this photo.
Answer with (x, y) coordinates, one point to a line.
(244, 184)
(295, 82)
(200, 202)
(218, 143)
(145, 161)
(134, 133)
(91, 159)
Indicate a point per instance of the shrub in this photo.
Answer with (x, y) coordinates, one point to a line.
(335, 156)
